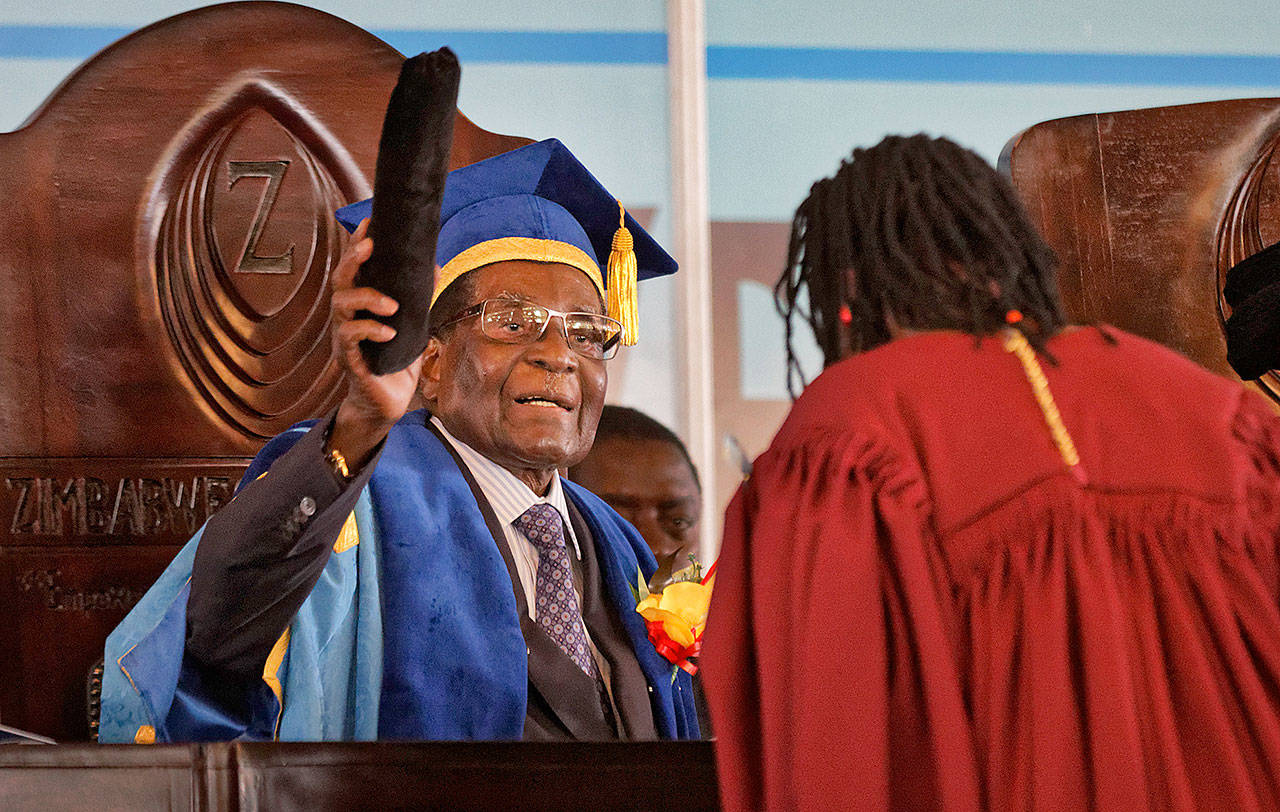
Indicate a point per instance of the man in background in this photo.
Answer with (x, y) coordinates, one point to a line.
(644, 472)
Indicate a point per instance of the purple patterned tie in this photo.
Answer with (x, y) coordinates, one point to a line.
(556, 600)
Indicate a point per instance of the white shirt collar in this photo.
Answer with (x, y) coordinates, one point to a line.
(507, 494)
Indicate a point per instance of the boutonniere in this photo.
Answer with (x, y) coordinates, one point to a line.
(676, 615)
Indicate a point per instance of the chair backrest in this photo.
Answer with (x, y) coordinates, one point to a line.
(1147, 209)
(164, 261)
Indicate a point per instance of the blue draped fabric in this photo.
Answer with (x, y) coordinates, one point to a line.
(411, 634)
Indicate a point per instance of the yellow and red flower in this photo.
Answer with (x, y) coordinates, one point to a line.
(676, 617)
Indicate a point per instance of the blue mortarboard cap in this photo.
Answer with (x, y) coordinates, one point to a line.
(539, 203)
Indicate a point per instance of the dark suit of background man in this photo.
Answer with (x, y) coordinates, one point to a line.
(428, 575)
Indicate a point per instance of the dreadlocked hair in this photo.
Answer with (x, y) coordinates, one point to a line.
(922, 234)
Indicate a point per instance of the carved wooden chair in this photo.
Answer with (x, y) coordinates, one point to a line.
(1147, 209)
(164, 266)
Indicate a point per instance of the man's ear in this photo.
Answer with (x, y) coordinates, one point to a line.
(429, 376)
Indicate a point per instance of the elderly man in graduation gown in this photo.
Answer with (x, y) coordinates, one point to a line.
(428, 575)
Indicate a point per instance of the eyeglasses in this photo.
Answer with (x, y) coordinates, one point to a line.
(511, 321)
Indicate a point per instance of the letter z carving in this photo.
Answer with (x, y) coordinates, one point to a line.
(273, 171)
(20, 524)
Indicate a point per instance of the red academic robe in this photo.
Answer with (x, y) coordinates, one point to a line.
(918, 606)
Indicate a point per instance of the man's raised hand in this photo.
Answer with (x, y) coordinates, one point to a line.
(373, 403)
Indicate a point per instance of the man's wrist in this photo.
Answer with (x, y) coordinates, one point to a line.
(353, 440)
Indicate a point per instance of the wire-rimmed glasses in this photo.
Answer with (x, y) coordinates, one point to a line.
(513, 321)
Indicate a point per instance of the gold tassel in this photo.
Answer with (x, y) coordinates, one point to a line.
(622, 280)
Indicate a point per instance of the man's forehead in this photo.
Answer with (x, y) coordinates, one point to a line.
(551, 284)
(643, 466)
(524, 296)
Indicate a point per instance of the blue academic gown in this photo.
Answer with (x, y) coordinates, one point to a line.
(411, 632)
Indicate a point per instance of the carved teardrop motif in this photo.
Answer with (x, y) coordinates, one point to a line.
(243, 243)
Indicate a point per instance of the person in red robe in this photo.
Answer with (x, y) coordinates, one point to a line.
(991, 560)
